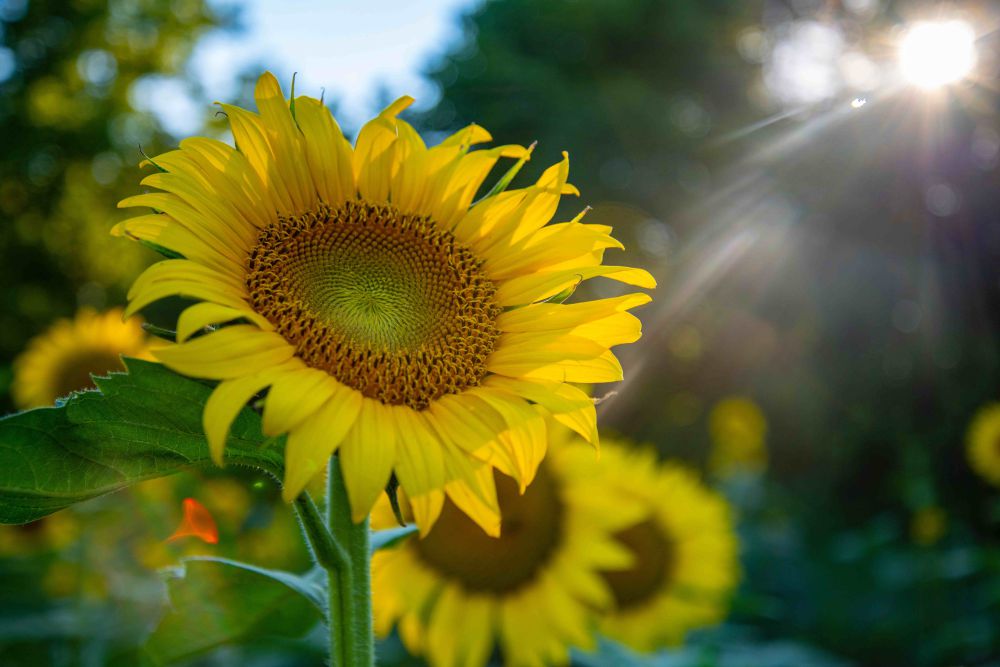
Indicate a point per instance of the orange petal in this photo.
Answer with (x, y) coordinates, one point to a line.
(197, 522)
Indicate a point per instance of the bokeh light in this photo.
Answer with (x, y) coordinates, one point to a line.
(936, 53)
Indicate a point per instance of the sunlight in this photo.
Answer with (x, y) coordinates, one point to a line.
(935, 54)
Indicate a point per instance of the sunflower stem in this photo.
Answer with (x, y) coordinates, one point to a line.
(326, 551)
(352, 643)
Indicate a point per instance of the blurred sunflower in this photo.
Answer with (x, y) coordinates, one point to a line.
(983, 443)
(928, 525)
(52, 533)
(685, 552)
(738, 430)
(61, 360)
(532, 591)
(394, 321)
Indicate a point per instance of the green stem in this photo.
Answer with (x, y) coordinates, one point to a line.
(327, 553)
(352, 643)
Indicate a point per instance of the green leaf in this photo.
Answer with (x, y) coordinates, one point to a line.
(166, 252)
(385, 539)
(139, 425)
(215, 601)
(505, 180)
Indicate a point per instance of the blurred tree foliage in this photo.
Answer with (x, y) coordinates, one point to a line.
(70, 71)
(631, 88)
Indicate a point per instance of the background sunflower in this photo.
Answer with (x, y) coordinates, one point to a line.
(62, 359)
(531, 592)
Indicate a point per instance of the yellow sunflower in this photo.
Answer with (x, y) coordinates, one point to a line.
(394, 320)
(61, 360)
(928, 525)
(983, 443)
(738, 429)
(685, 552)
(532, 591)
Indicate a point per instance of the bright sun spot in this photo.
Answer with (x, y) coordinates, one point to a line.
(934, 54)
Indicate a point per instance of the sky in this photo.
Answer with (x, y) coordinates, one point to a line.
(352, 48)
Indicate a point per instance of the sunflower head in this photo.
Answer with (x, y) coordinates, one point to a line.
(983, 443)
(62, 359)
(388, 316)
(684, 565)
(456, 593)
(738, 429)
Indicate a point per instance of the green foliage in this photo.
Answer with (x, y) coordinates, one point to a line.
(142, 424)
(629, 87)
(72, 131)
(215, 601)
(390, 537)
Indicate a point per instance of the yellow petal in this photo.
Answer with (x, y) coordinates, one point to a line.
(294, 396)
(224, 404)
(558, 316)
(231, 352)
(604, 368)
(367, 456)
(200, 315)
(520, 354)
(426, 510)
(409, 182)
(476, 495)
(287, 148)
(232, 176)
(311, 443)
(420, 456)
(539, 286)
(328, 153)
(374, 152)
(165, 231)
(221, 239)
(251, 137)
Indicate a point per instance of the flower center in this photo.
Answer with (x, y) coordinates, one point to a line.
(654, 560)
(385, 302)
(73, 373)
(530, 531)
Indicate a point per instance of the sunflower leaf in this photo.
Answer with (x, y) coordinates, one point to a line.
(217, 601)
(385, 539)
(138, 425)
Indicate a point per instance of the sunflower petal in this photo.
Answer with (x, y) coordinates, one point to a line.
(311, 443)
(367, 456)
(375, 161)
(229, 353)
(224, 404)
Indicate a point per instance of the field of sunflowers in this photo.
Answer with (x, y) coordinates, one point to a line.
(468, 333)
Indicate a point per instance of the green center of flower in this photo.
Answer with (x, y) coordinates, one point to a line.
(530, 532)
(73, 373)
(385, 302)
(654, 561)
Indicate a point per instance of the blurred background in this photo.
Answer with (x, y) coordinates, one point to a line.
(813, 182)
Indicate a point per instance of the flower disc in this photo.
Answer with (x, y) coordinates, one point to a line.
(386, 303)
(530, 530)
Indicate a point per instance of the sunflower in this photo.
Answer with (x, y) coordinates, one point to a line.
(395, 321)
(61, 360)
(532, 591)
(738, 429)
(983, 443)
(685, 553)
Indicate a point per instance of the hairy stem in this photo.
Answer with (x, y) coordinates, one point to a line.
(351, 640)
